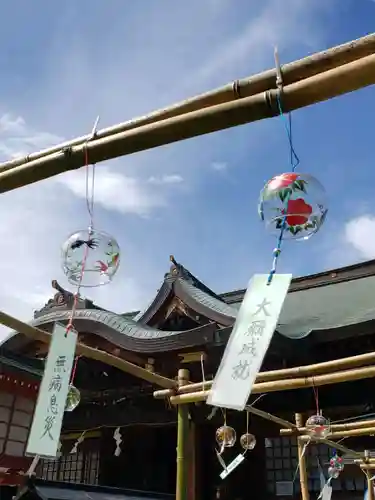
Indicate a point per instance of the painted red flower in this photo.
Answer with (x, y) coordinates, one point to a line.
(282, 181)
(299, 211)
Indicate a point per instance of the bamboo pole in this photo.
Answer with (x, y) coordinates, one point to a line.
(289, 384)
(333, 428)
(363, 431)
(123, 365)
(302, 462)
(273, 375)
(321, 87)
(370, 488)
(182, 472)
(370, 461)
(270, 417)
(292, 72)
(334, 445)
(370, 484)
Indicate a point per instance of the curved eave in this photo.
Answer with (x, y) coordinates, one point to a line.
(123, 332)
(161, 297)
(212, 308)
(195, 295)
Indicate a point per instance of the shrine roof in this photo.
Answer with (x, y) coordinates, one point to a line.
(21, 363)
(325, 301)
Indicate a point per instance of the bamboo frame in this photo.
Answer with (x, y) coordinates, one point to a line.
(335, 428)
(321, 87)
(302, 462)
(291, 72)
(284, 385)
(182, 470)
(275, 375)
(88, 352)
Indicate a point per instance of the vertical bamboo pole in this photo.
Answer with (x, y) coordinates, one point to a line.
(192, 461)
(370, 484)
(182, 442)
(302, 462)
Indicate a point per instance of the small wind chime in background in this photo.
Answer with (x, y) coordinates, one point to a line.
(89, 258)
(317, 426)
(226, 437)
(336, 466)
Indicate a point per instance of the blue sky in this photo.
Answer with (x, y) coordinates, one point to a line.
(63, 63)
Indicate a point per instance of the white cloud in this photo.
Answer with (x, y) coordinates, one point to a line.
(115, 191)
(166, 179)
(219, 166)
(360, 235)
(19, 140)
(126, 75)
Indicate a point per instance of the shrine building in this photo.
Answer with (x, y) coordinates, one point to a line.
(326, 316)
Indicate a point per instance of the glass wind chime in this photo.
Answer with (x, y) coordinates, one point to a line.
(336, 466)
(90, 258)
(317, 426)
(292, 205)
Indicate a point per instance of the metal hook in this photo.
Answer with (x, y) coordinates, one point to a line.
(279, 75)
(94, 130)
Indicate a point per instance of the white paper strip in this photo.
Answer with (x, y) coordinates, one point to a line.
(45, 431)
(251, 335)
(235, 463)
(327, 492)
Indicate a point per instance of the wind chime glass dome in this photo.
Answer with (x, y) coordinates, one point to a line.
(293, 203)
(248, 441)
(318, 427)
(94, 255)
(226, 436)
(73, 398)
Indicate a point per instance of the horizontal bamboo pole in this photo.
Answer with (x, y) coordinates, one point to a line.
(291, 72)
(362, 431)
(274, 375)
(334, 427)
(88, 352)
(367, 466)
(321, 87)
(368, 461)
(285, 385)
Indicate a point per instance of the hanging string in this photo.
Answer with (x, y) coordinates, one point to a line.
(294, 162)
(304, 449)
(219, 453)
(225, 416)
(90, 198)
(74, 371)
(203, 374)
(247, 422)
(316, 397)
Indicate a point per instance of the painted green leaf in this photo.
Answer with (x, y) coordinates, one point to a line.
(299, 185)
(284, 194)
